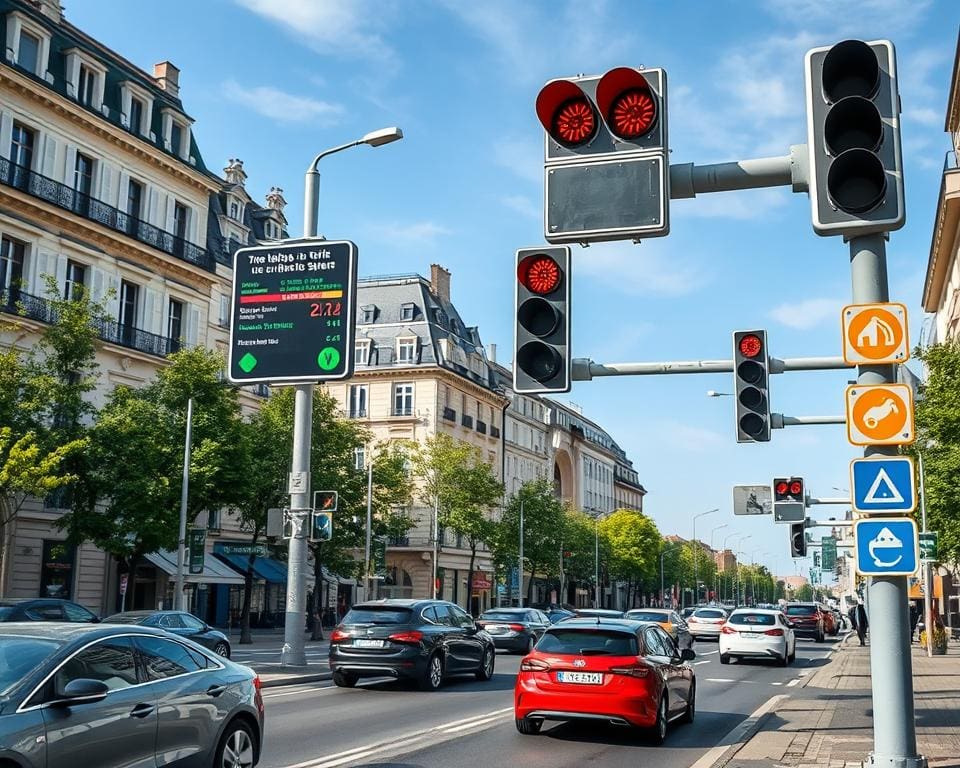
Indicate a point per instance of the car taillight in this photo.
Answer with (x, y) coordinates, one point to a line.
(257, 693)
(413, 637)
(634, 670)
(774, 632)
(728, 630)
(534, 665)
(516, 627)
(338, 636)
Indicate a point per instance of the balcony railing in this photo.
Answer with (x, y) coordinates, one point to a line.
(449, 414)
(16, 302)
(481, 427)
(952, 161)
(404, 411)
(358, 413)
(69, 199)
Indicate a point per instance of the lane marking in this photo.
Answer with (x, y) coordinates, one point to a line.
(705, 661)
(793, 682)
(776, 683)
(805, 673)
(726, 680)
(737, 736)
(708, 653)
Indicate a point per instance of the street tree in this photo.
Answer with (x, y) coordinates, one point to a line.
(634, 546)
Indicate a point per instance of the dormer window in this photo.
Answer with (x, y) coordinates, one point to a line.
(136, 109)
(28, 45)
(87, 85)
(86, 79)
(367, 314)
(176, 134)
(361, 352)
(406, 350)
(176, 137)
(235, 211)
(407, 311)
(28, 55)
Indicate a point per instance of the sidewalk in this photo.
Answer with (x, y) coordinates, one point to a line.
(830, 721)
(263, 657)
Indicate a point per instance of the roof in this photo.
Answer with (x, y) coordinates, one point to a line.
(64, 632)
(624, 625)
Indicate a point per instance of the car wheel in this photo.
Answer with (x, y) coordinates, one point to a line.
(785, 659)
(433, 675)
(691, 711)
(344, 680)
(820, 636)
(236, 747)
(724, 658)
(485, 672)
(528, 727)
(658, 734)
(530, 643)
(793, 653)
(222, 649)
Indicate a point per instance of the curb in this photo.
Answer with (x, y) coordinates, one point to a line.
(279, 682)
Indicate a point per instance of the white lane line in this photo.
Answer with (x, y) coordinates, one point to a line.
(738, 734)
(793, 682)
(725, 680)
(776, 683)
(708, 653)
(300, 692)
(705, 661)
(805, 673)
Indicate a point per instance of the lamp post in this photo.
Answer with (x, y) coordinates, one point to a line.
(739, 590)
(696, 556)
(726, 539)
(715, 570)
(184, 496)
(520, 551)
(366, 554)
(293, 654)
(663, 550)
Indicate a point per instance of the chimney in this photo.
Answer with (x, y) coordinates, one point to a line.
(440, 282)
(52, 10)
(275, 201)
(167, 77)
(234, 172)
(492, 353)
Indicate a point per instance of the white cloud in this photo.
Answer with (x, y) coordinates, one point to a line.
(638, 270)
(523, 157)
(865, 19)
(925, 116)
(283, 107)
(523, 205)
(804, 315)
(742, 205)
(410, 233)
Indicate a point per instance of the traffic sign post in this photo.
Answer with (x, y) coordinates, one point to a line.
(875, 333)
(880, 414)
(928, 546)
(886, 546)
(883, 484)
(828, 550)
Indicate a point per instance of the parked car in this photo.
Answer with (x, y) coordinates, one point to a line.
(757, 633)
(44, 609)
(514, 629)
(669, 620)
(830, 624)
(422, 640)
(598, 613)
(807, 620)
(686, 613)
(178, 623)
(624, 672)
(112, 696)
(706, 622)
(558, 614)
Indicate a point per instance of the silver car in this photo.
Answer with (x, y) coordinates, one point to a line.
(122, 696)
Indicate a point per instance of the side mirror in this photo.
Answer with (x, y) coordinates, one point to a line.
(82, 691)
(687, 654)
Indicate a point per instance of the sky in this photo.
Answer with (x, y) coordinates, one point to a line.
(274, 82)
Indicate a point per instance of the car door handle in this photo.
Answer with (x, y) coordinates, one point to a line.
(216, 690)
(142, 710)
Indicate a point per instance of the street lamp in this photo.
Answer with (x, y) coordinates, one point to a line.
(520, 553)
(715, 570)
(726, 539)
(739, 598)
(696, 555)
(293, 654)
(714, 393)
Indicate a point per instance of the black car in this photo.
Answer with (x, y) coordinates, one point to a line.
(421, 640)
(179, 623)
(514, 629)
(44, 609)
(112, 696)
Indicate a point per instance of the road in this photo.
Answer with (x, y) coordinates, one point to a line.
(385, 723)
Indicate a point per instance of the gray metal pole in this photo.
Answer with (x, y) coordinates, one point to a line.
(520, 561)
(927, 586)
(662, 597)
(696, 565)
(184, 496)
(585, 369)
(366, 556)
(436, 544)
(894, 729)
(596, 561)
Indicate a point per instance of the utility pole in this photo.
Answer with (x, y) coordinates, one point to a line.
(927, 586)
(184, 497)
(696, 557)
(366, 556)
(520, 561)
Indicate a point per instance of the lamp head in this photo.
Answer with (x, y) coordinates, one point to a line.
(383, 136)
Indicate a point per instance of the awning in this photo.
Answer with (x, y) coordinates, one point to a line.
(214, 572)
(266, 568)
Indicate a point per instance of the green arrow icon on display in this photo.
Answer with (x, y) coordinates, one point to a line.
(328, 359)
(247, 363)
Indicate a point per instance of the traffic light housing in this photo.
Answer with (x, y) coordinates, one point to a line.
(751, 373)
(321, 528)
(853, 126)
(542, 361)
(798, 540)
(789, 500)
(606, 156)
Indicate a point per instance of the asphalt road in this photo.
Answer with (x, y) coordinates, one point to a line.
(467, 723)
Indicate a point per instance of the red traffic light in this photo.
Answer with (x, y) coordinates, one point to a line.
(796, 488)
(626, 102)
(566, 113)
(751, 345)
(781, 488)
(539, 273)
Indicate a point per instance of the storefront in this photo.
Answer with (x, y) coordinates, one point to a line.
(155, 579)
(269, 592)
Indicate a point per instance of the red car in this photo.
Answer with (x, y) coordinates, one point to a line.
(618, 671)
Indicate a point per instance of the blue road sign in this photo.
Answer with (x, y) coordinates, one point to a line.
(883, 485)
(886, 546)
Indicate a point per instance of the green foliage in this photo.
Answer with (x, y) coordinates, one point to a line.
(634, 545)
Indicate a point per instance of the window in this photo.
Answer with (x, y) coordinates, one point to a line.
(655, 643)
(444, 617)
(406, 311)
(234, 210)
(403, 399)
(21, 147)
(136, 115)
(110, 661)
(87, 86)
(170, 621)
(28, 55)
(358, 401)
(609, 642)
(460, 617)
(175, 320)
(78, 614)
(56, 574)
(361, 352)
(129, 292)
(367, 314)
(224, 311)
(76, 280)
(406, 350)
(359, 457)
(82, 183)
(19, 656)
(166, 658)
(180, 221)
(134, 199)
(176, 138)
(191, 622)
(213, 520)
(11, 269)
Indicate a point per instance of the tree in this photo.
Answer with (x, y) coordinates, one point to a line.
(579, 543)
(455, 477)
(634, 545)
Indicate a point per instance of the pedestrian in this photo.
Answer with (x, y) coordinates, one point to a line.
(914, 617)
(862, 623)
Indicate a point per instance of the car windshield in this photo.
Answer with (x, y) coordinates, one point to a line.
(125, 618)
(660, 618)
(502, 616)
(20, 655)
(767, 619)
(709, 613)
(801, 610)
(588, 642)
(378, 615)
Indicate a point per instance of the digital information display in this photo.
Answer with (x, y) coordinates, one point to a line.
(292, 317)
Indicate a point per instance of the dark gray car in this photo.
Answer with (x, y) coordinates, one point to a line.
(114, 696)
(178, 623)
(514, 629)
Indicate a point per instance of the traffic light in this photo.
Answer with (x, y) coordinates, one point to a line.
(789, 500)
(325, 501)
(322, 526)
(853, 124)
(798, 542)
(751, 375)
(606, 156)
(542, 328)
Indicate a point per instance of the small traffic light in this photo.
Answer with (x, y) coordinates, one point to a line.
(789, 500)
(325, 501)
(606, 156)
(798, 541)
(322, 526)
(853, 123)
(751, 373)
(542, 330)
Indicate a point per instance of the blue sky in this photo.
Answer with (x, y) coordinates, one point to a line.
(275, 81)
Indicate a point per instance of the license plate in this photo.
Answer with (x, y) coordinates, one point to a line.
(583, 678)
(749, 634)
(361, 643)
(496, 629)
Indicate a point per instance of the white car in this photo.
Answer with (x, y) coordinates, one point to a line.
(706, 622)
(759, 634)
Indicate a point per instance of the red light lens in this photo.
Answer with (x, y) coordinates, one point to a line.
(534, 665)
(413, 637)
(750, 345)
(633, 113)
(539, 274)
(782, 488)
(774, 632)
(796, 488)
(574, 122)
(338, 636)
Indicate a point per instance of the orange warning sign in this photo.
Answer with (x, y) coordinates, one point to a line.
(875, 333)
(880, 414)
